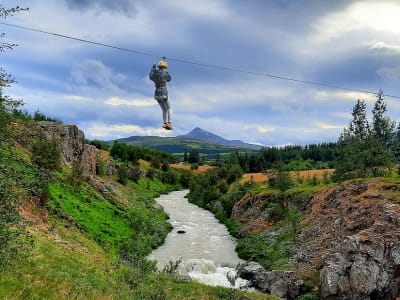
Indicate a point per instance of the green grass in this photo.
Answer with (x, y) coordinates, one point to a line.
(102, 221)
(270, 248)
(76, 268)
(66, 264)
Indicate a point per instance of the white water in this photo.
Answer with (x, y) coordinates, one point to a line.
(206, 249)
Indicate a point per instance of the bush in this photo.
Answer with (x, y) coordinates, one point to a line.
(46, 154)
(122, 175)
(151, 173)
(101, 168)
(281, 181)
(168, 178)
(102, 145)
(234, 173)
(12, 232)
(77, 173)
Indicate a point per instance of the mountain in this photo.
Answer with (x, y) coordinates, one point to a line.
(203, 141)
(203, 135)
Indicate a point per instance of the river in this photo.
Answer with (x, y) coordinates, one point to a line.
(206, 248)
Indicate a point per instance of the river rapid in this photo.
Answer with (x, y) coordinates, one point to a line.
(204, 246)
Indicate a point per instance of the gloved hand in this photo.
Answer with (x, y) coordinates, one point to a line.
(154, 66)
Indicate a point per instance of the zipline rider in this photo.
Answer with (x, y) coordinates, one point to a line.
(160, 77)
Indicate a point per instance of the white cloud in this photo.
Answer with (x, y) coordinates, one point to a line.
(385, 46)
(323, 125)
(381, 17)
(348, 96)
(116, 101)
(93, 71)
(340, 34)
(112, 131)
(77, 98)
(209, 97)
(203, 9)
(390, 73)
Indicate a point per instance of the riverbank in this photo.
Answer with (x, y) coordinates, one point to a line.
(72, 249)
(202, 245)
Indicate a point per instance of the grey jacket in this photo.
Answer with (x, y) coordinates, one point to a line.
(160, 78)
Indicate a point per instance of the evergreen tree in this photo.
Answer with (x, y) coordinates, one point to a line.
(382, 127)
(359, 127)
(364, 149)
(194, 157)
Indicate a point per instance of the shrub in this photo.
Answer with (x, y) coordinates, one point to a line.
(281, 181)
(103, 145)
(122, 175)
(46, 154)
(77, 173)
(134, 173)
(234, 173)
(11, 227)
(101, 168)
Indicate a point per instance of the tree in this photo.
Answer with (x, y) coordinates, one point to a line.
(293, 217)
(364, 149)
(280, 180)
(359, 127)
(383, 128)
(7, 104)
(10, 225)
(194, 157)
(234, 173)
(46, 154)
(185, 156)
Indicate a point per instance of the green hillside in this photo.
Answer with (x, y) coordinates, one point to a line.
(177, 145)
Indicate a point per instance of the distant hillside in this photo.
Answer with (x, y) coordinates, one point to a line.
(201, 140)
(201, 134)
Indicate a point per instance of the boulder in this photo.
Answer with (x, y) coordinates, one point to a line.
(280, 283)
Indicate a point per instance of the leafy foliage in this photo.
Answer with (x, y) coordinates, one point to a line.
(280, 180)
(295, 157)
(128, 153)
(269, 248)
(193, 157)
(366, 149)
(103, 145)
(10, 226)
(46, 154)
(9, 216)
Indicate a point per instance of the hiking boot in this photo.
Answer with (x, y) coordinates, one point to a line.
(169, 125)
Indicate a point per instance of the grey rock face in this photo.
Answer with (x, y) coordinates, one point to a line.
(367, 265)
(72, 145)
(277, 282)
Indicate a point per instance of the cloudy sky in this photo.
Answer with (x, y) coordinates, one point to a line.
(107, 93)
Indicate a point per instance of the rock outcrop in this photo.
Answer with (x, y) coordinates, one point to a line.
(352, 236)
(349, 238)
(72, 145)
(248, 211)
(277, 282)
(366, 265)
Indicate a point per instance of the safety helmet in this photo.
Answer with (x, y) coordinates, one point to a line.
(162, 64)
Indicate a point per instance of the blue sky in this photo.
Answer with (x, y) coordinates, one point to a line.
(107, 92)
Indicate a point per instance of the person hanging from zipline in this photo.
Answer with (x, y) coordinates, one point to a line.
(160, 77)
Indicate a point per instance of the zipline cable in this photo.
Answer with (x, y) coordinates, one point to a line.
(79, 39)
(200, 64)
